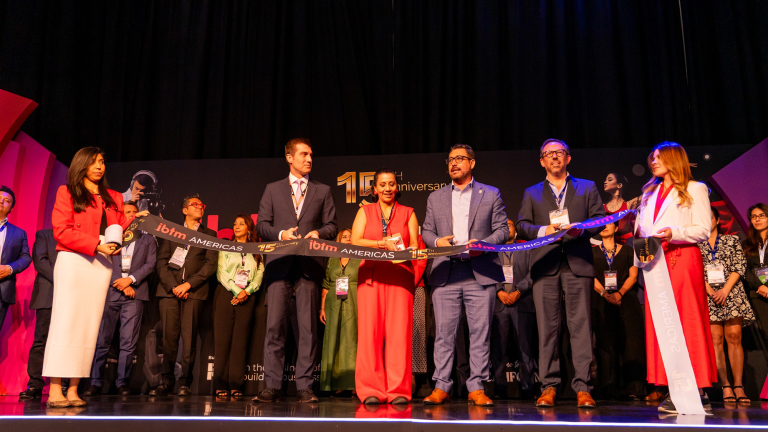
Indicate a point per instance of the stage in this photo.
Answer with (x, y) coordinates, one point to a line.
(197, 413)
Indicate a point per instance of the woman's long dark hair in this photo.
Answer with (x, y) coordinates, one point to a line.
(753, 241)
(81, 197)
(252, 237)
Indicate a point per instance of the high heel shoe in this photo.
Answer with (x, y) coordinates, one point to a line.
(58, 404)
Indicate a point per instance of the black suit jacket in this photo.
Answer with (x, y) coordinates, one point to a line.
(142, 265)
(44, 259)
(521, 269)
(276, 213)
(199, 266)
(583, 202)
(16, 255)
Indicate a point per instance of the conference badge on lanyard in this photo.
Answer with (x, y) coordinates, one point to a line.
(125, 261)
(342, 286)
(179, 256)
(762, 274)
(611, 281)
(559, 217)
(509, 275)
(716, 274)
(241, 278)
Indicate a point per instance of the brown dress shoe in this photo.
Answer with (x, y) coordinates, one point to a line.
(584, 400)
(547, 398)
(654, 396)
(479, 398)
(438, 397)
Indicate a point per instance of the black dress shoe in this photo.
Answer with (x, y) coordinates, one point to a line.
(400, 401)
(124, 391)
(31, 393)
(269, 395)
(160, 390)
(184, 391)
(92, 391)
(371, 400)
(306, 396)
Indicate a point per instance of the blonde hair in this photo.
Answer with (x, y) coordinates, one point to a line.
(675, 158)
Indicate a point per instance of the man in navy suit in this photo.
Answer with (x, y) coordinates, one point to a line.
(514, 317)
(14, 252)
(464, 212)
(44, 259)
(562, 269)
(292, 208)
(125, 303)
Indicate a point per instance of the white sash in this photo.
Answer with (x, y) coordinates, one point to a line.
(669, 333)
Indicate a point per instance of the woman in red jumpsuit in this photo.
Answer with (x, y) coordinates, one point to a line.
(385, 297)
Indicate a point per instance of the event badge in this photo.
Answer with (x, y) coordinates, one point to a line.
(179, 257)
(611, 281)
(241, 278)
(508, 274)
(762, 274)
(342, 286)
(559, 217)
(398, 239)
(126, 263)
(716, 274)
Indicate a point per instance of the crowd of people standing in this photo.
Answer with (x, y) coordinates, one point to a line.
(586, 284)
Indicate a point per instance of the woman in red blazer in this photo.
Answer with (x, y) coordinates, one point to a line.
(84, 208)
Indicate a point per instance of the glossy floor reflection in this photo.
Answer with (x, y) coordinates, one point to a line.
(343, 410)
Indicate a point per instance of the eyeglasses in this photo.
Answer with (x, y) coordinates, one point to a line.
(553, 153)
(758, 216)
(5, 201)
(457, 159)
(200, 206)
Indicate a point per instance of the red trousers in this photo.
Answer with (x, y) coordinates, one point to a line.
(385, 332)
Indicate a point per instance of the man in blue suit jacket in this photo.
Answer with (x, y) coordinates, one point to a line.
(561, 269)
(460, 213)
(14, 252)
(130, 273)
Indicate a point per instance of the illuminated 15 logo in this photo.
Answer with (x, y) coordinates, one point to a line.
(348, 180)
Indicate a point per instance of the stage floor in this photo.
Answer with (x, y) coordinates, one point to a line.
(147, 413)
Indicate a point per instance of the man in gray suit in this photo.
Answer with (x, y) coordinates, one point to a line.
(562, 269)
(464, 212)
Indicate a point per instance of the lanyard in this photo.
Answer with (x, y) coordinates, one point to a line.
(242, 255)
(385, 223)
(761, 250)
(713, 251)
(559, 199)
(343, 267)
(613, 255)
(509, 256)
(297, 202)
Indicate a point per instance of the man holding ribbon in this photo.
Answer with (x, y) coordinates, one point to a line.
(464, 212)
(293, 208)
(563, 268)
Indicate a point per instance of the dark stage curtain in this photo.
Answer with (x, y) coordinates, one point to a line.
(237, 78)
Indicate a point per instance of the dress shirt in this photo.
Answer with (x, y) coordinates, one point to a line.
(3, 231)
(128, 250)
(298, 184)
(556, 192)
(460, 202)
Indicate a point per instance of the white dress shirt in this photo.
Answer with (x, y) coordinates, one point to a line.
(299, 186)
(128, 250)
(3, 231)
(460, 203)
(563, 190)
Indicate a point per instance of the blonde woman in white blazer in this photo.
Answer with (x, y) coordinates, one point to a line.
(676, 209)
